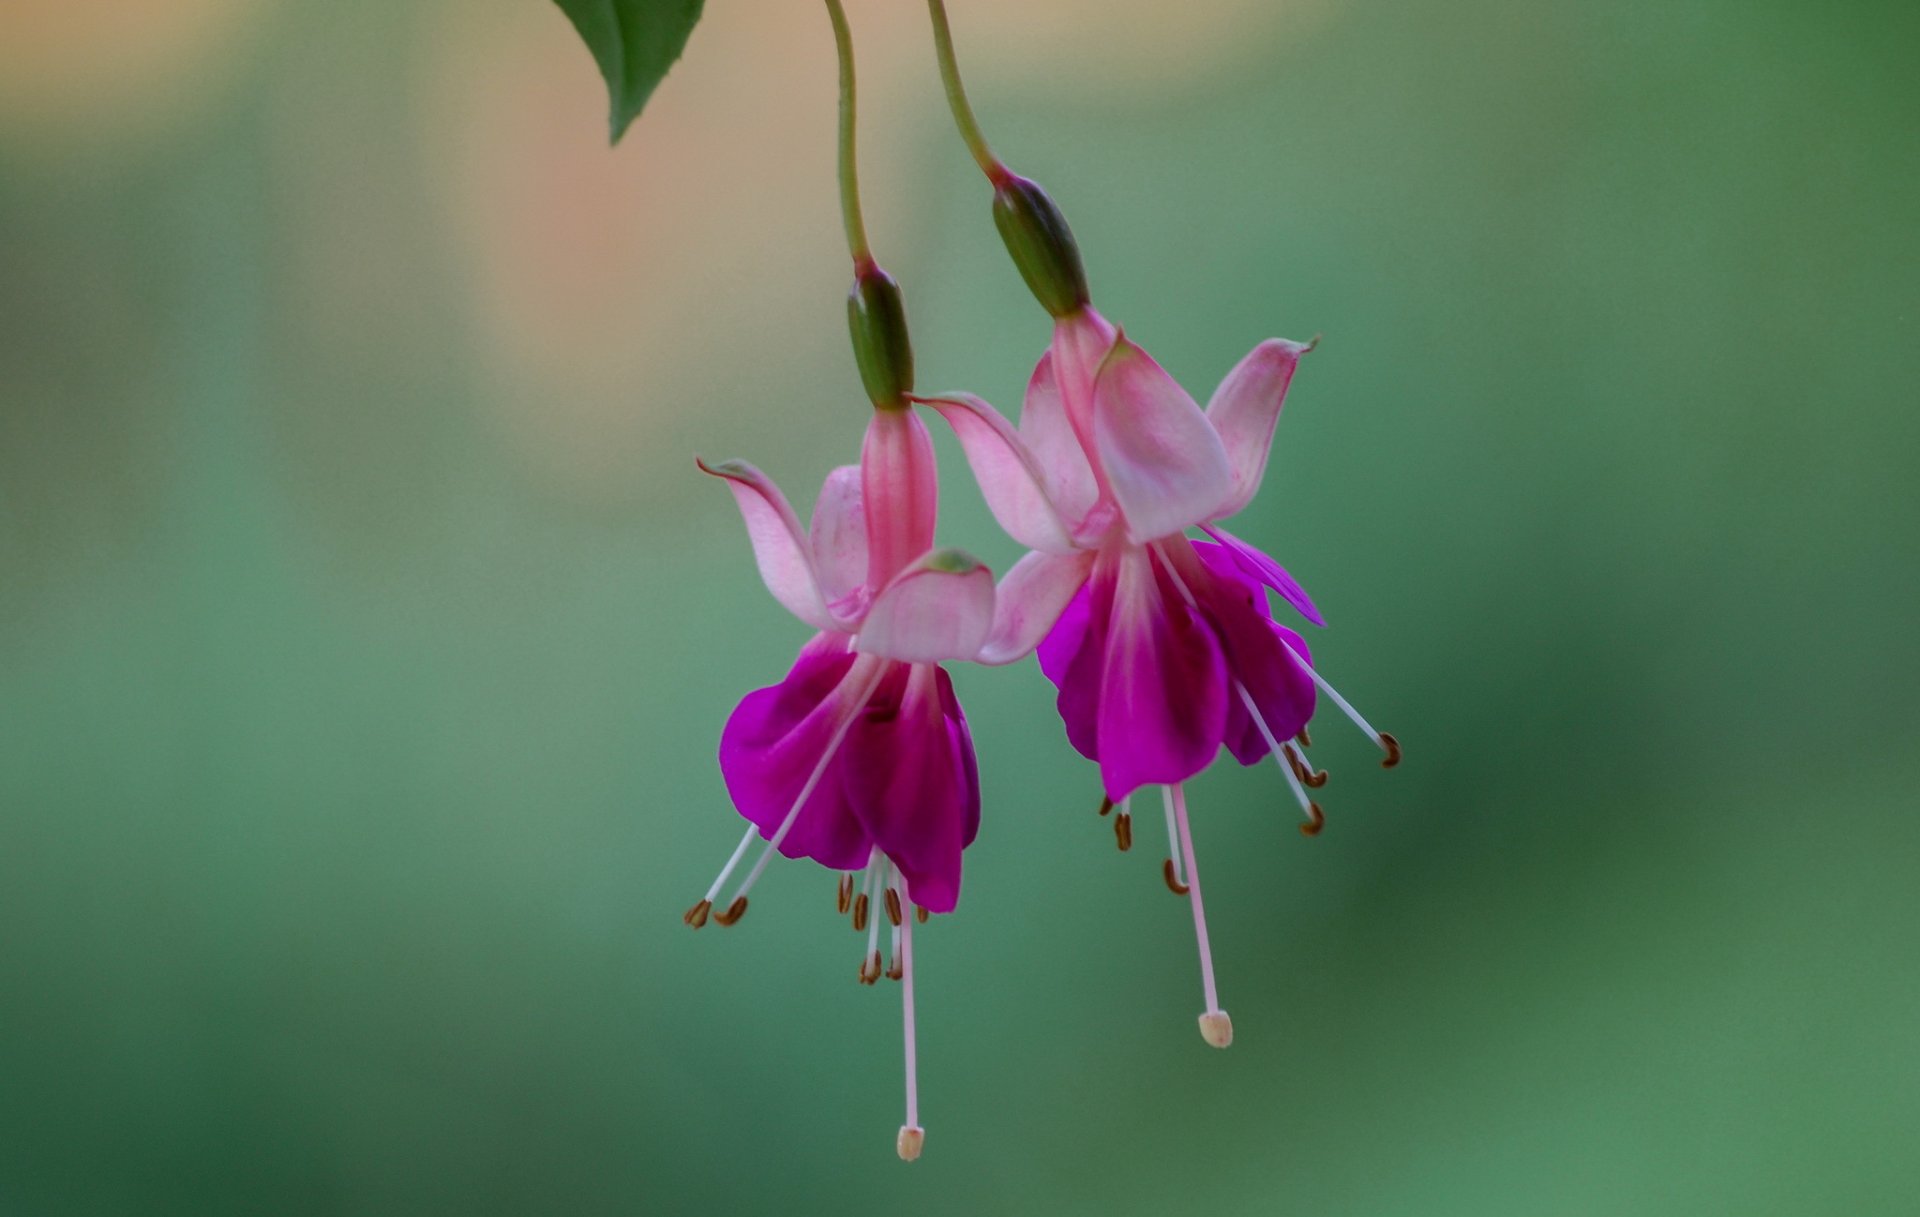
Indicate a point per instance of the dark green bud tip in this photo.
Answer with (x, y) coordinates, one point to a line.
(877, 319)
(1042, 245)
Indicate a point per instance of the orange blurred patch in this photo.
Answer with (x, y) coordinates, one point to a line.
(89, 71)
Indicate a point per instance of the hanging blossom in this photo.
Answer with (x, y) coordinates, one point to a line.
(1163, 647)
(860, 759)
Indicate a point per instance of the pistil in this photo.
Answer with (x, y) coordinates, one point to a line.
(1215, 1027)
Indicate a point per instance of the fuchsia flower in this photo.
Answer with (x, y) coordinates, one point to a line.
(860, 759)
(1163, 648)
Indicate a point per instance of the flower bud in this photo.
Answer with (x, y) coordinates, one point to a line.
(877, 319)
(1042, 245)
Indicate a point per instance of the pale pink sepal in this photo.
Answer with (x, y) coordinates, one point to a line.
(1029, 602)
(780, 546)
(1245, 409)
(900, 492)
(1010, 477)
(839, 534)
(940, 607)
(1066, 469)
(1162, 458)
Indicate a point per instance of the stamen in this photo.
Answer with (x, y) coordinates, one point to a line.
(876, 874)
(893, 906)
(1305, 737)
(1284, 759)
(1173, 845)
(870, 968)
(1106, 804)
(852, 710)
(1304, 771)
(739, 852)
(912, 1136)
(843, 899)
(1386, 743)
(919, 914)
(1123, 825)
(735, 911)
(1215, 1027)
(859, 912)
(697, 915)
(1173, 880)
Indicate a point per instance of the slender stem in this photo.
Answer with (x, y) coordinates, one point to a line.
(957, 95)
(849, 170)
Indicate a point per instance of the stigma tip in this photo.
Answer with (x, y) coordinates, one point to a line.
(1216, 1028)
(860, 904)
(1392, 746)
(1173, 879)
(697, 915)
(1316, 820)
(1123, 832)
(910, 1142)
(734, 912)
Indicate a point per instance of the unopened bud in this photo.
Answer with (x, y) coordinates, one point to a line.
(877, 320)
(1042, 245)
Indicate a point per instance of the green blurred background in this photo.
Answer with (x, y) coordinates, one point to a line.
(365, 629)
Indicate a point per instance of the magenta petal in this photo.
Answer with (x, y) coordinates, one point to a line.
(777, 737)
(1163, 690)
(1256, 652)
(1264, 569)
(1074, 657)
(910, 777)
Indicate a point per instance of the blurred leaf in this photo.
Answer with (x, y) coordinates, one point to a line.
(634, 42)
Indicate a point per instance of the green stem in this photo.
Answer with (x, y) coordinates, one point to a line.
(849, 170)
(957, 95)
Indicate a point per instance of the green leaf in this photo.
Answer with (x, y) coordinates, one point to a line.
(634, 42)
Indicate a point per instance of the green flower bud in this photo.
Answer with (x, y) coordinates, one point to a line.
(1042, 245)
(877, 319)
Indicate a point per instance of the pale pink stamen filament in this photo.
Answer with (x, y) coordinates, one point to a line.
(1346, 707)
(1279, 757)
(1179, 798)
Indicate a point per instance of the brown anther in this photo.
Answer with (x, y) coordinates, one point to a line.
(1173, 879)
(870, 969)
(1305, 738)
(1123, 832)
(896, 969)
(697, 915)
(893, 906)
(734, 912)
(1392, 746)
(843, 899)
(1314, 780)
(1300, 770)
(919, 914)
(860, 912)
(1106, 804)
(1316, 822)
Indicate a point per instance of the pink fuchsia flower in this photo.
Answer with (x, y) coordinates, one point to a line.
(860, 759)
(1163, 648)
